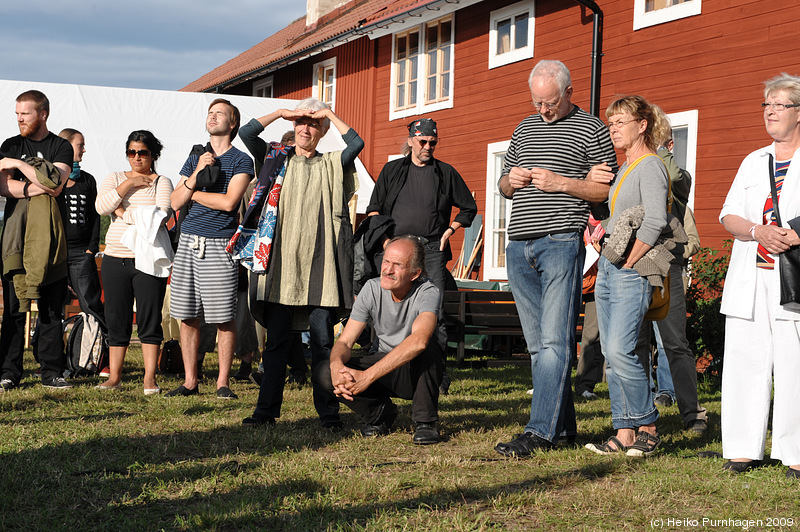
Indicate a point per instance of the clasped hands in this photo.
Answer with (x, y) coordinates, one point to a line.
(349, 382)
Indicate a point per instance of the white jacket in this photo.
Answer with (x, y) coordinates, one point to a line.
(746, 198)
(149, 241)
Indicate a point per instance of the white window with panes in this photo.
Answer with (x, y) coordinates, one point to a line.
(497, 213)
(422, 69)
(263, 88)
(511, 34)
(652, 12)
(324, 82)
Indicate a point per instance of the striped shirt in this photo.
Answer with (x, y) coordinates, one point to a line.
(108, 200)
(569, 147)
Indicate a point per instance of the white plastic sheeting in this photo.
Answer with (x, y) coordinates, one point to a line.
(107, 115)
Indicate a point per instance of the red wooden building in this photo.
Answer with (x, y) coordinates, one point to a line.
(465, 63)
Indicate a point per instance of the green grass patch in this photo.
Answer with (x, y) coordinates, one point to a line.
(90, 459)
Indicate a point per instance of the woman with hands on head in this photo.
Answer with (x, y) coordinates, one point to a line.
(120, 196)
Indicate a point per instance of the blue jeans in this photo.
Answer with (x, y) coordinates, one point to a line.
(663, 375)
(623, 297)
(545, 277)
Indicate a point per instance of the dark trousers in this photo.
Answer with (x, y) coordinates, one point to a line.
(682, 363)
(418, 381)
(50, 344)
(591, 361)
(277, 319)
(83, 278)
(124, 283)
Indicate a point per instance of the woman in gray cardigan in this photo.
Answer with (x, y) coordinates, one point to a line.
(622, 293)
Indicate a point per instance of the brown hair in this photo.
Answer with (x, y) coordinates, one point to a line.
(233, 113)
(38, 98)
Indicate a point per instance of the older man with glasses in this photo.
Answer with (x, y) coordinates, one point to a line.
(544, 175)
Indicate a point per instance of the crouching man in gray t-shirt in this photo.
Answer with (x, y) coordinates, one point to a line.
(403, 309)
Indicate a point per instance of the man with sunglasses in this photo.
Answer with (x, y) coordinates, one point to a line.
(544, 175)
(46, 283)
(204, 275)
(419, 192)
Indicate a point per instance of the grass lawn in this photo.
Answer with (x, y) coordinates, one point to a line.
(86, 459)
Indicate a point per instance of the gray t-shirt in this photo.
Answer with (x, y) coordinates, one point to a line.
(392, 320)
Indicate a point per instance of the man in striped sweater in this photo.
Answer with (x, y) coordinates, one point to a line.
(550, 155)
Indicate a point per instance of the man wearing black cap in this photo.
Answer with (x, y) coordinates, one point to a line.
(418, 192)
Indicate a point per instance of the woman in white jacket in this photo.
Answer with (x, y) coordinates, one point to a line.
(762, 339)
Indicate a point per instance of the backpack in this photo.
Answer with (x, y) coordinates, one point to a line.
(85, 356)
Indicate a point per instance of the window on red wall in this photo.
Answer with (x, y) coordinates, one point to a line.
(422, 70)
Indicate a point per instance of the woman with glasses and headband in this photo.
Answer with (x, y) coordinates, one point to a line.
(638, 215)
(121, 196)
(762, 338)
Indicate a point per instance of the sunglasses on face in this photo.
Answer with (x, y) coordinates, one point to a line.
(133, 153)
(423, 142)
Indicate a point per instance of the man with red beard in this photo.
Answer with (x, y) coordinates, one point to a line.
(19, 181)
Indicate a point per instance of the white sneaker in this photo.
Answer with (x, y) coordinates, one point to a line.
(586, 394)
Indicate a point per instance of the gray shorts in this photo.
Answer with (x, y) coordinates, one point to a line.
(204, 278)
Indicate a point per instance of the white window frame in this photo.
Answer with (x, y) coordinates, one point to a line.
(511, 12)
(642, 19)
(322, 66)
(491, 272)
(421, 107)
(688, 120)
(263, 84)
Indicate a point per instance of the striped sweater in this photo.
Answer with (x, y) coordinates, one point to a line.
(108, 200)
(569, 147)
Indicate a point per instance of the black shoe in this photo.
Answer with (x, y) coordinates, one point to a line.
(663, 399)
(524, 444)
(57, 383)
(226, 393)
(383, 425)
(425, 434)
(334, 425)
(183, 391)
(257, 421)
(256, 377)
(244, 372)
(793, 473)
(698, 426)
(6, 385)
(740, 467)
(298, 379)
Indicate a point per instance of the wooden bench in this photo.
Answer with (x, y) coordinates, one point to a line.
(492, 313)
(481, 312)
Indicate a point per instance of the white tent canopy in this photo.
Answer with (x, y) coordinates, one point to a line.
(107, 115)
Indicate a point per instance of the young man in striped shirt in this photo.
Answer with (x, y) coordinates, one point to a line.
(545, 171)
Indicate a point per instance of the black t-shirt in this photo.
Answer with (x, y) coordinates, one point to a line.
(51, 148)
(414, 212)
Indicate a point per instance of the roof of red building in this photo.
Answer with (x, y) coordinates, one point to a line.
(298, 39)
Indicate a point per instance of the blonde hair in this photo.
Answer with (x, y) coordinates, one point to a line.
(641, 109)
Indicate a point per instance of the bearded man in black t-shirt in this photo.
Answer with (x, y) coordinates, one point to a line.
(19, 181)
(419, 192)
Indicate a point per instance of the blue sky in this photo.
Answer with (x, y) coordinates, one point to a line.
(147, 44)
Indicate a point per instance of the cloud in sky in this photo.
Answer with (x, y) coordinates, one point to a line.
(148, 44)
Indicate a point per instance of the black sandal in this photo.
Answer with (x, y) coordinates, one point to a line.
(645, 444)
(606, 447)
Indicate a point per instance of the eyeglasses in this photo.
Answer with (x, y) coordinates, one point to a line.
(133, 153)
(619, 123)
(778, 107)
(545, 105)
(423, 142)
